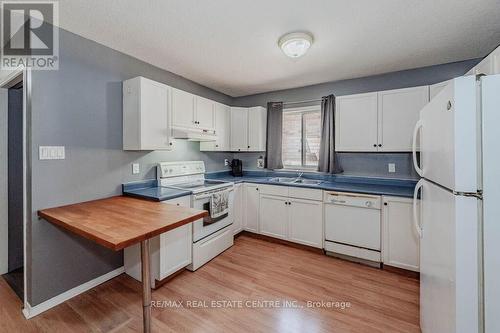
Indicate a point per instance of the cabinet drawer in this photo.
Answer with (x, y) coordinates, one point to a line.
(184, 201)
(305, 193)
(274, 190)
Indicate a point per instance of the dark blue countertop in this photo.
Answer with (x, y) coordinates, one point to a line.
(341, 183)
(148, 189)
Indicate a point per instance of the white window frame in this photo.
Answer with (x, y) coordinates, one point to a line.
(302, 110)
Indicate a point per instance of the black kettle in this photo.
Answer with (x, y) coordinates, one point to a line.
(236, 168)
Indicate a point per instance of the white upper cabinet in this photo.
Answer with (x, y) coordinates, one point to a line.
(490, 65)
(239, 129)
(356, 123)
(182, 108)
(222, 130)
(257, 122)
(145, 115)
(380, 121)
(398, 112)
(436, 89)
(204, 113)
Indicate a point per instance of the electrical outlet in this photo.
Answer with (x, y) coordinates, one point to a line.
(392, 167)
(136, 169)
(226, 162)
(51, 153)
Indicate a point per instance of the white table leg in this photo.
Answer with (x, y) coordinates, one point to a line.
(146, 286)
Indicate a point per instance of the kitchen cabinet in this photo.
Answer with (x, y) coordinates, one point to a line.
(222, 130)
(191, 111)
(398, 112)
(436, 89)
(251, 212)
(257, 122)
(248, 129)
(182, 108)
(305, 224)
(239, 129)
(238, 208)
(170, 251)
(400, 245)
(380, 121)
(204, 113)
(490, 65)
(273, 216)
(146, 123)
(356, 123)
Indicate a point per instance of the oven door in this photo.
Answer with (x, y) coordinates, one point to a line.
(201, 228)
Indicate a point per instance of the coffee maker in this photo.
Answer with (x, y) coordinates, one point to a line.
(236, 168)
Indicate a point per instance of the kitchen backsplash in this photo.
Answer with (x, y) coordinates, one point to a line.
(358, 164)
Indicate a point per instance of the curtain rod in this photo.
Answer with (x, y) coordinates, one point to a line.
(305, 101)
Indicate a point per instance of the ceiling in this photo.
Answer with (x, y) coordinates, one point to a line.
(231, 45)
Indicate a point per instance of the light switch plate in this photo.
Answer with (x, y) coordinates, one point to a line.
(392, 167)
(51, 153)
(136, 169)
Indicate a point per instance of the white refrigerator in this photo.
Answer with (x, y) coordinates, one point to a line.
(459, 216)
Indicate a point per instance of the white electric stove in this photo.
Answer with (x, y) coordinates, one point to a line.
(210, 236)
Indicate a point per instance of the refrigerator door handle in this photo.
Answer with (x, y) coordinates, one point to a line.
(418, 125)
(415, 217)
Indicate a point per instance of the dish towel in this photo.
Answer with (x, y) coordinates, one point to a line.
(219, 204)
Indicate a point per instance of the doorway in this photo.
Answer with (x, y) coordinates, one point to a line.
(12, 174)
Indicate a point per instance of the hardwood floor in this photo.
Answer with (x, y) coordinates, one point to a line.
(252, 270)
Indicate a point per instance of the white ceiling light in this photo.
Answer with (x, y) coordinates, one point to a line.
(295, 44)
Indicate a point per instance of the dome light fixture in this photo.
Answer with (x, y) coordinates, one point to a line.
(295, 44)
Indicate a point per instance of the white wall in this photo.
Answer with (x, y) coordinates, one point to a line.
(3, 182)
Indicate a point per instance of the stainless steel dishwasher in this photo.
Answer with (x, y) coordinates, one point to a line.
(353, 224)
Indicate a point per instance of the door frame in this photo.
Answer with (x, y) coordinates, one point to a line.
(15, 76)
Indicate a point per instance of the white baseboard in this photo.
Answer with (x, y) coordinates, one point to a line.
(32, 311)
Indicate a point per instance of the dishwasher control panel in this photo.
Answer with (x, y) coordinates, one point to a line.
(353, 199)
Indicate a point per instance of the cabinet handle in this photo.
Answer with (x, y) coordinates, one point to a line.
(256, 188)
(385, 203)
(178, 204)
(248, 146)
(375, 145)
(216, 146)
(380, 145)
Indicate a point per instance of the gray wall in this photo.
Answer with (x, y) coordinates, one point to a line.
(80, 106)
(3, 181)
(366, 164)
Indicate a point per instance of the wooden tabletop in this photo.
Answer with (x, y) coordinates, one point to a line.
(118, 222)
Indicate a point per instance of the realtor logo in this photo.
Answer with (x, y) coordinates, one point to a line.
(29, 35)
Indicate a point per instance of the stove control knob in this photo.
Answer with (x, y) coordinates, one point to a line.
(368, 204)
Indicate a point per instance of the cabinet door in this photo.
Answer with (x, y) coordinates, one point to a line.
(182, 108)
(251, 203)
(176, 245)
(436, 89)
(400, 241)
(222, 130)
(398, 112)
(239, 129)
(356, 123)
(238, 208)
(306, 222)
(205, 113)
(257, 120)
(273, 216)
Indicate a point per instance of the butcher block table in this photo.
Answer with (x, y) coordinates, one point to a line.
(119, 222)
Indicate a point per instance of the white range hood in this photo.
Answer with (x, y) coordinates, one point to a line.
(193, 134)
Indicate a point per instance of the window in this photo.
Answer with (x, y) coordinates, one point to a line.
(301, 137)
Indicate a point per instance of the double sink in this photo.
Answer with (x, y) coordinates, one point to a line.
(295, 180)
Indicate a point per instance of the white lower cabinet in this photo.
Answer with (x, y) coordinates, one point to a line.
(251, 208)
(238, 208)
(273, 217)
(400, 243)
(170, 251)
(306, 222)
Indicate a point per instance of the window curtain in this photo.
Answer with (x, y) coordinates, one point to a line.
(328, 159)
(274, 135)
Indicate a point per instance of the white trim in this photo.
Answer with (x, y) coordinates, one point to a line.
(310, 108)
(32, 311)
(11, 76)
